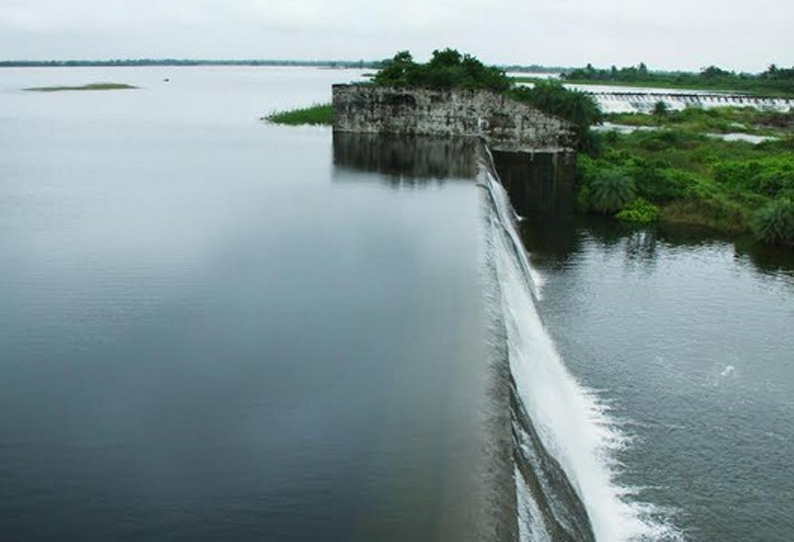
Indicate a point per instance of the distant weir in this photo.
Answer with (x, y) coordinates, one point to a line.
(617, 101)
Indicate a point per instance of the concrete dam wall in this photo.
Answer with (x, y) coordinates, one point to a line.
(505, 124)
(533, 152)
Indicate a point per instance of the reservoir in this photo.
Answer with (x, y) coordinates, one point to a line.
(216, 328)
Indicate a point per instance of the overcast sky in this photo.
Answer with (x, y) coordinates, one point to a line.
(665, 34)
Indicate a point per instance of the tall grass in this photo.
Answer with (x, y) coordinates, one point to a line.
(317, 115)
(774, 223)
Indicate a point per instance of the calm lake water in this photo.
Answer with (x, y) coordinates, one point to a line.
(216, 328)
(208, 330)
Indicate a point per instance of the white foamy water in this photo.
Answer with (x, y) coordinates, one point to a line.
(573, 425)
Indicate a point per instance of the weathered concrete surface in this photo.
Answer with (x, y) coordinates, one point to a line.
(538, 182)
(504, 123)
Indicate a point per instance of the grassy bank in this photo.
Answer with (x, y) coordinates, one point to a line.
(92, 86)
(721, 120)
(318, 115)
(674, 85)
(679, 174)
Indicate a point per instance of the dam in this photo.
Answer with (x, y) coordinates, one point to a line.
(548, 483)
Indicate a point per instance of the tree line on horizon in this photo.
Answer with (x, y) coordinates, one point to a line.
(186, 62)
(774, 78)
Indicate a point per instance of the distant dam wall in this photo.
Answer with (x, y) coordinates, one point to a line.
(504, 123)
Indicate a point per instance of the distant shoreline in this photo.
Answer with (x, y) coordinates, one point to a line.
(173, 62)
(177, 62)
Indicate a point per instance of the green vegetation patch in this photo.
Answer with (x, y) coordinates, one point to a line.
(576, 107)
(774, 223)
(639, 211)
(720, 120)
(446, 69)
(679, 174)
(317, 115)
(92, 86)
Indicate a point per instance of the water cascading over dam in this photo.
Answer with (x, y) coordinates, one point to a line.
(554, 468)
(564, 441)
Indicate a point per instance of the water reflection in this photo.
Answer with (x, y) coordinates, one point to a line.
(768, 260)
(405, 160)
(555, 240)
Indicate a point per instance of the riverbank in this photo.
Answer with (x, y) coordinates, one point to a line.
(677, 85)
(775, 81)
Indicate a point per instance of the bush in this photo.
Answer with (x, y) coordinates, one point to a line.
(611, 191)
(667, 139)
(446, 69)
(675, 184)
(774, 223)
(768, 176)
(576, 107)
(640, 211)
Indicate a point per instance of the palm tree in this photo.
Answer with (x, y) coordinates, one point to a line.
(660, 111)
(611, 191)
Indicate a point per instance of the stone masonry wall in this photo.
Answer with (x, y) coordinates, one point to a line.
(505, 124)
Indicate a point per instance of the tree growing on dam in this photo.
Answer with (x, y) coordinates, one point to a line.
(446, 69)
(576, 107)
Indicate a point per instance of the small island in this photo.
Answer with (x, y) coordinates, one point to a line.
(90, 86)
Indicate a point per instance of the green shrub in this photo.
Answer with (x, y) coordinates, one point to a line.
(611, 137)
(640, 211)
(576, 107)
(768, 176)
(611, 190)
(657, 180)
(774, 223)
(446, 69)
(666, 139)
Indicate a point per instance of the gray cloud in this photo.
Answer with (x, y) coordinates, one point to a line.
(672, 34)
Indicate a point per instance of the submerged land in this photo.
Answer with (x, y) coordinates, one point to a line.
(90, 86)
